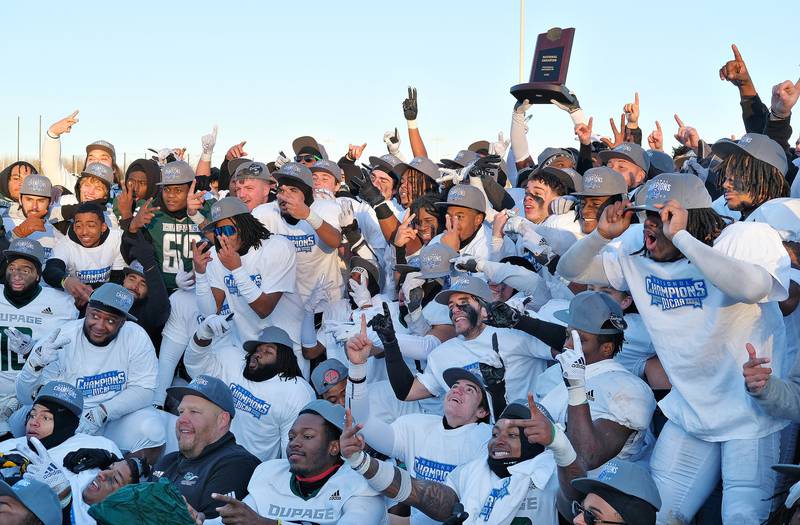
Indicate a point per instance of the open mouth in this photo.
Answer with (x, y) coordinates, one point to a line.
(649, 240)
(500, 453)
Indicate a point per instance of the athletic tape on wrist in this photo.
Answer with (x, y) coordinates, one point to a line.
(357, 370)
(412, 124)
(314, 220)
(247, 288)
(383, 478)
(563, 451)
(405, 487)
(577, 396)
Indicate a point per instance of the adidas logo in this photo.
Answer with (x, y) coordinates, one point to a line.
(335, 496)
(590, 395)
(47, 311)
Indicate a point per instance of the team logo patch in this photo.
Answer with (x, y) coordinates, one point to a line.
(245, 401)
(189, 478)
(494, 496)
(233, 289)
(592, 181)
(330, 377)
(302, 243)
(99, 384)
(431, 470)
(675, 293)
(658, 190)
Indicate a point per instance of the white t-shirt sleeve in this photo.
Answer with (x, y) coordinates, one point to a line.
(613, 268)
(115, 237)
(278, 259)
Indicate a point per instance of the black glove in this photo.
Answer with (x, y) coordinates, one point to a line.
(89, 458)
(495, 380)
(458, 515)
(394, 139)
(470, 265)
(410, 104)
(488, 165)
(501, 315)
(352, 233)
(366, 190)
(382, 324)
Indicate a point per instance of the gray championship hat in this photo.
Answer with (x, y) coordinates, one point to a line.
(100, 171)
(333, 414)
(209, 388)
(293, 173)
(270, 334)
(589, 311)
(466, 284)
(227, 207)
(479, 145)
(37, 497)
(253, 170)
(519, 409)
(425, 166)
(116, 297)
(462, 158)
(308, 142)
(660, 163)
(687, 189)
(235, 164)
(389, 164)
(176, 172)
(26, 248)
(549, 154)
(434, 261)
(134, 267)
(601, 182)
(451, 375)
(756, 145)
(37, 185)
(622, 476)
(465, 196)
(105, 146)
(359, 264)
(627, 151)
(329, 167)
(327, 374)
(63, 394)
(567, 176)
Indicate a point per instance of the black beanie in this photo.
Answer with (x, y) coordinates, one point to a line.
(65, 423)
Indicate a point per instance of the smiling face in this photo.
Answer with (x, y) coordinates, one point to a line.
(40, 423)
(462, 403)
(91, 188)
(505, 443)
(136, 284)
(252, 192)
(589, 212)
(466, 313)
(89, 227)
(655, 242)
(100, 326)
(324, 181)
(101, 156)
(200, 423)
(310, 450)
(538, 197)
(107, 482)
(427, 225)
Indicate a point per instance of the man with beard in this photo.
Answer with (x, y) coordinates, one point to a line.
(250, 270)
(311, 224)
(516, 479)
(208, 461)
(705, 289)
(28, 312)
(143, 278)
(112, 362)
(28, 217)
(268, 389)
(311, 485)
(630, 161)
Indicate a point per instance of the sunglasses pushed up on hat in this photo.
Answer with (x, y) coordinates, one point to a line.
(307, 158)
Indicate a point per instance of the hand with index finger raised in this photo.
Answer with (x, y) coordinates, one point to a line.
(755, 374)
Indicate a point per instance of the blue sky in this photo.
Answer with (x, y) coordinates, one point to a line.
(162, 73)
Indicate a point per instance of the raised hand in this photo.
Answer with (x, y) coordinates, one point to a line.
(500, 147)
(64, 125)
(184, 280)
(656, 139)
(354, 152)
(392, 141)
(619, 134)
(194, 199)
(208, 142)
(42, 468)
(236, 151)
(631, 110)
(405, 232)
(687, 135)
(143, 216)
(674, 217)
(228, 256)
(784, 97)
(410, 108)
(584, 132)
(735, 72)
(18, 342)
(78, 290)
(281, 159)
(213, 326)
(413, 292)
(201, 256)
(450, 236)
(125, 200)
(382, 324)
(573, 370)
(501, 315)
(350, 442)
(756, 376)
(359, 347)
(615, 220)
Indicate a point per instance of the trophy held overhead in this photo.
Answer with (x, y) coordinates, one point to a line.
(549, 69)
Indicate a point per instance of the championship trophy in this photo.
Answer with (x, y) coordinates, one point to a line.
(549, 70)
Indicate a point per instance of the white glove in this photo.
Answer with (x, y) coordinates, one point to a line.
(412, 291)
(42, 468)
(793, 495)
(448, 174)
(319, 294)
(360, 293)
(323, 194)
(47, 352)
(576, 113)
(281, 160)
(562, 205)
(392, 146)
(18, 342)
(468, 263)
(92, 420)
(212, 326)
(341, 330)
(517, 224)
(208, 142)
(520, 108)
(346, 213)
(185, 280)
(499, 147)
(573, 369)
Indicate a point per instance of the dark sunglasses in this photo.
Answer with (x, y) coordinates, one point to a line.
(226, 231)
(306, 158)
(590, 518)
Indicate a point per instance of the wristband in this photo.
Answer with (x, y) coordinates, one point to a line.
(383, 478)
(577, 117)
(197, 218)
(576, 396)
(357, 372)
(412, 124)
(563, 451)
(206, 156)
(359, 462)
(383, 211)
(314, 220)
(248, 290)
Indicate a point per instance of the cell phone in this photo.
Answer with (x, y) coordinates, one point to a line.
(229, 316)
(206, 245)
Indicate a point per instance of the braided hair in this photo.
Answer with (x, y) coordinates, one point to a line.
(419, 184)
(761, 180)
(251, 232)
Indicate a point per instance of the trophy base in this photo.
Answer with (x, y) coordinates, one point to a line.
(542, 93)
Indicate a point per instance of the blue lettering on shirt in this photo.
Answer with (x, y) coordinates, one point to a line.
(303, 243)
(96, 385)
(99, 275)
(244, 400)
(474, 369)
(675, 293)
(233, 289)
(431, 470)
(494, 495)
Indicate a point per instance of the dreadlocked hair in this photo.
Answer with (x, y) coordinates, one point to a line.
(419, 184)
(251, 232)
(761, 180)
(705, 225)
(427, 202)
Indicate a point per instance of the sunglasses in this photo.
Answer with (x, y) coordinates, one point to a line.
(306, 158)
(590, 518)
(226, 231)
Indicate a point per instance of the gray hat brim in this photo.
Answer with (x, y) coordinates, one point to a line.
(114, 310)
(787, 469)
(178, 392)
(451, 375)
(595, 194)
(329, 413)
(405, 268)
(128, 269)
(16, 255)
(291, 180)
(250, 346)
(443, 297)
(337, 176)
(565, 317)
(609, 154)
(76, 410)
(445, 204)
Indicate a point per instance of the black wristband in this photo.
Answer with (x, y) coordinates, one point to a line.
(383, 211)
(357, 381)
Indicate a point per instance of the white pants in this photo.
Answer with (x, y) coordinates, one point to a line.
(686, 470)
(143, 428)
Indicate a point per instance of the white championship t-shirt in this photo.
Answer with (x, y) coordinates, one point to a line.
(91, 265)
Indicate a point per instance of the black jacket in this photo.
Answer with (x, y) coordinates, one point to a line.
(223, 467)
